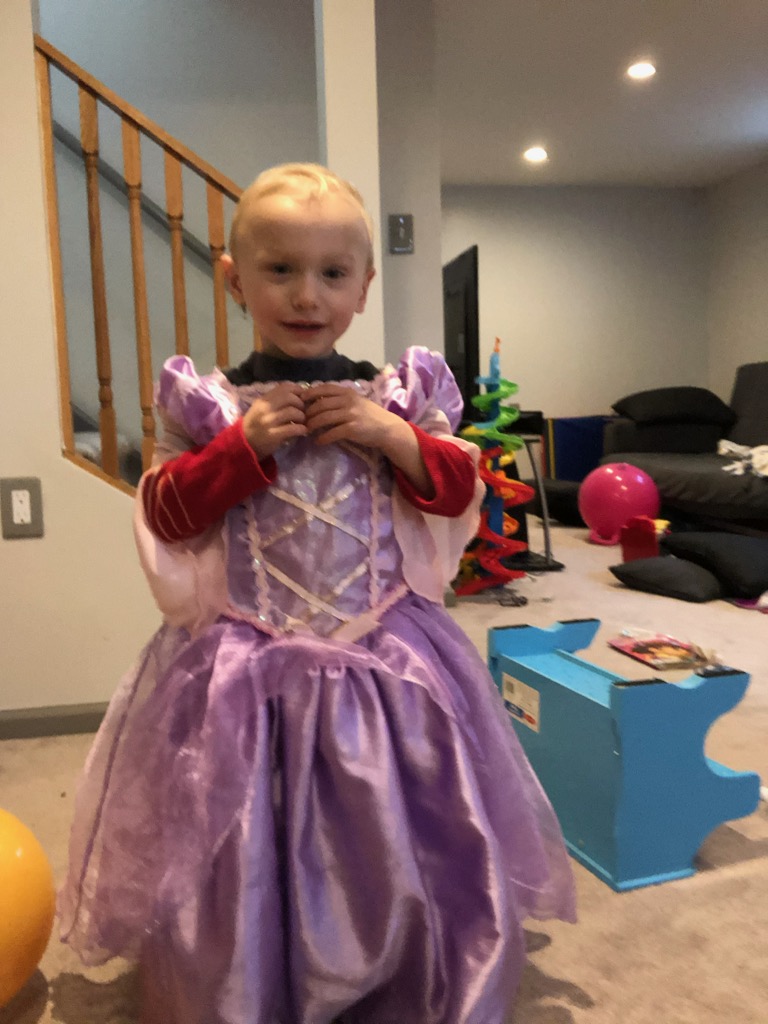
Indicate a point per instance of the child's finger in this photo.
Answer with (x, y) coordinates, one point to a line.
(288, 431)
(328, 390)
(328, 418)
(338, 404)
(325, 421)
(289, 414)
(287, 399)
(339, 433)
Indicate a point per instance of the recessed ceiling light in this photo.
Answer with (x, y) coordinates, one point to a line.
(642, 69)
(536, 155)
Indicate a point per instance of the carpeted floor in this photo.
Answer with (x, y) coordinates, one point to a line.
(687, 952)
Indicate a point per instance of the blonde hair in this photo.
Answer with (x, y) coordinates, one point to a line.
(312, 181)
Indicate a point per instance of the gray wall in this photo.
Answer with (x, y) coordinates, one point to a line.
(595, 292)
(409, 155)
(738, 294)
(233, 81)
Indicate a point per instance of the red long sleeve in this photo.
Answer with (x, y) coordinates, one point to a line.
(186, 495)
(452, 472)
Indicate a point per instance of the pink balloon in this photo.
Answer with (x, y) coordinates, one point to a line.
(611, 495)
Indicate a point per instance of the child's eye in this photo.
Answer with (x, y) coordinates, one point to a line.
(280, 268)
(335, 273)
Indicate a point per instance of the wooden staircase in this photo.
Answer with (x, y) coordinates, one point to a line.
(109, 462)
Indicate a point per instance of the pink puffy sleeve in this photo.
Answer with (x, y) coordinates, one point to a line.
(187, 579)
(423, 391)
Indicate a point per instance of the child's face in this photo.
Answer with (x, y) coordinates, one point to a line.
(302, 270)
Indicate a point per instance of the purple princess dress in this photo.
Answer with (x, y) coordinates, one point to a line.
(305, 802)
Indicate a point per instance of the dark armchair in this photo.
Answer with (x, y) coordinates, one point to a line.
(673, 435)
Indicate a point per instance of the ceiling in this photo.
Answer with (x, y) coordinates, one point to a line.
(515, 73)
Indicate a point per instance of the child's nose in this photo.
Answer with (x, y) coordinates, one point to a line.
(305, 294)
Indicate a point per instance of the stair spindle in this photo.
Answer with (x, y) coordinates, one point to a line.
(132, 174)
(174, 201)
(89, 140)
(216, 242)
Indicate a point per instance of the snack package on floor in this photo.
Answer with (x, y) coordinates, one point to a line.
(660, 651)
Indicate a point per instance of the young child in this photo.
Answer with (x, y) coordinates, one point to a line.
(306, 803)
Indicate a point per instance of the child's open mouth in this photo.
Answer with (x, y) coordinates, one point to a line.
(303, 326)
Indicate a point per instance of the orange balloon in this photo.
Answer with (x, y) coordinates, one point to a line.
(28, 902)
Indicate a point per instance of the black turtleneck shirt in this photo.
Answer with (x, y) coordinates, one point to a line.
(333, 367)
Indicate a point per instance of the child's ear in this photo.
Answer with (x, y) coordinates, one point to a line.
(369, 276)
(233, 279)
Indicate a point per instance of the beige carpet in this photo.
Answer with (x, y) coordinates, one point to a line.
(688, 952)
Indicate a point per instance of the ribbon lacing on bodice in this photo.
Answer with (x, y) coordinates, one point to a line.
(320, 599)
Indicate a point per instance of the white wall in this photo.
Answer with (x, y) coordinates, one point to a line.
(595, 292)
(410, 173)
(738, 306)
(74, 607)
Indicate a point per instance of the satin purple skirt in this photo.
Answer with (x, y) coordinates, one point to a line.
(296, 830)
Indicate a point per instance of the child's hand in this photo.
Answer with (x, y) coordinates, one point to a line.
(338, 413)
(274, 418)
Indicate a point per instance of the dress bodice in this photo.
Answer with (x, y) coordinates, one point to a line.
(332, 543)
(316, 550)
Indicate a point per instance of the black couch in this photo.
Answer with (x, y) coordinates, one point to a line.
(673, 435)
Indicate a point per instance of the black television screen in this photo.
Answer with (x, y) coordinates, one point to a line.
(462, 329)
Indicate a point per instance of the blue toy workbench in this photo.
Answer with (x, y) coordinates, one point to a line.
(622, 761)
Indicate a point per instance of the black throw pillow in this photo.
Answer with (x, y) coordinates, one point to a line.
(676, 405)
(739, 562)
(670, 577)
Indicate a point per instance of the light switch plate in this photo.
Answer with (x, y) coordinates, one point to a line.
(400, 233)
(24, 495)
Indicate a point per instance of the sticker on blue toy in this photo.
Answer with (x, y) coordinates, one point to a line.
(523, 702)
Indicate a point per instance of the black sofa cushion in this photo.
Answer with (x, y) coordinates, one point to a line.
(699, 485)
(739, 562)
(625, 435)
(748, 401)
(681, 457)
(670, 577)
(676, 405)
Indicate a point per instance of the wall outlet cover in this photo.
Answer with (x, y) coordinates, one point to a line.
(21, 507)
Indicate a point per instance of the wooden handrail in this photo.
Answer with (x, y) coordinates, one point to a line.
(130, 113)
(134, 125)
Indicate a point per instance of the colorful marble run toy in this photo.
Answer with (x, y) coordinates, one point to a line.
(482, 564)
